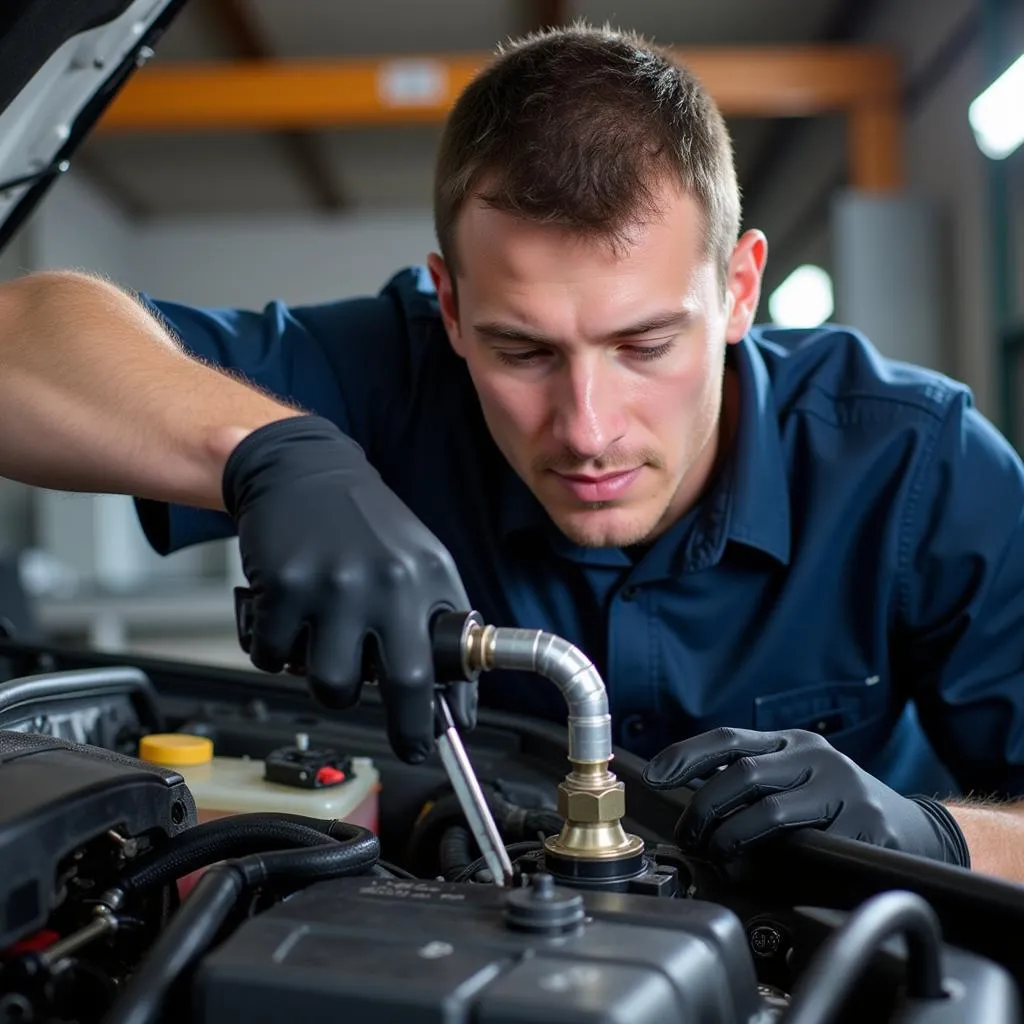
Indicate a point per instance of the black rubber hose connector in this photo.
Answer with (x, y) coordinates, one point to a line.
(182, 944)
(353, 856)
(457, 851)
(821, 991)
(221, 839)
(199, 920)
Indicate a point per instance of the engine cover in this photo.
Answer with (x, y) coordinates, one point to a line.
(57, 796)
(365, 950)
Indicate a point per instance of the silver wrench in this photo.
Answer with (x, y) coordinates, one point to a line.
(469, 794)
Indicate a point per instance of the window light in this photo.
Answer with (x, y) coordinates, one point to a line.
(997, 115)
(804, 299)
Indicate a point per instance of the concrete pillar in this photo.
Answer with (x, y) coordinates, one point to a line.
(890, 280)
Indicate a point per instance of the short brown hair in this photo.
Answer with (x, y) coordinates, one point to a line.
(573, 126)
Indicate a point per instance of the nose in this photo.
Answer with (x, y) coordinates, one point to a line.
(588, 412)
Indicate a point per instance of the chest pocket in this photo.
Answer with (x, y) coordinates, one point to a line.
(855, 716)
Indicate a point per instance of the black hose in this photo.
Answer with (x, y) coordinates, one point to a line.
(546, 823)
(200, 918)
(385, 869)
(518, 824)
(514, 850)
(181, 944)
(331, 860)
(515, 823)
(214, 841)
(456, 851)
(819, 994)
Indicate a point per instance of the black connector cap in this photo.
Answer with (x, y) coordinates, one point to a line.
(544, 909)
(448, 631)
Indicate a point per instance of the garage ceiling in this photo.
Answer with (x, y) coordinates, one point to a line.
(252, 174)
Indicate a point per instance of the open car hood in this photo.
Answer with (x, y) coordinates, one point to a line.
(61, 63)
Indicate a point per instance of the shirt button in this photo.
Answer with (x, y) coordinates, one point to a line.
(629, 593)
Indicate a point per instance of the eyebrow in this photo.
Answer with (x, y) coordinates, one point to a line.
(511, 332)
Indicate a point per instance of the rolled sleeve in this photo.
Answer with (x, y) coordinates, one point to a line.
(962, 603)
(331, 360)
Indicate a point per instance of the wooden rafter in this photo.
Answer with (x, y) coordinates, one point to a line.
(237, 24)
(799, 81)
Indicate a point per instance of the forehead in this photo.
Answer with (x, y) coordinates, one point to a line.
(654, 260)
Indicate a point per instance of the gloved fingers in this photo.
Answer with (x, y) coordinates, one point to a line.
(277, 628)
(335, 665)
(697, 757)
(463, 699)
(407, 686)
(743, 783)
(440, 574)
(770, 817)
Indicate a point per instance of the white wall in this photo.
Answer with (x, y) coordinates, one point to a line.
(76, 227)
(215, 262)
(72, 227)
(97, 536)
(300, 260)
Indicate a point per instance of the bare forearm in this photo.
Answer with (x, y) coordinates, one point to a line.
(995, 837)
(96, 396)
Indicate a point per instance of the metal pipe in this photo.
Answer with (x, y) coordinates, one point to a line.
(103, 923)
(565, 665)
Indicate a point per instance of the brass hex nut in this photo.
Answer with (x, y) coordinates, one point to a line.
(592, 805)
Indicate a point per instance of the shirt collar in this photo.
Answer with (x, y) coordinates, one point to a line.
(749, 504)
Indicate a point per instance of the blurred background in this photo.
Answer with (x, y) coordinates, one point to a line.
(903, 217)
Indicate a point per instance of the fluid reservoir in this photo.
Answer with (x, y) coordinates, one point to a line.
(294, 780)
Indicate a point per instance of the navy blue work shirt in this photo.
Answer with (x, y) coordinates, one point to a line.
(857, 569)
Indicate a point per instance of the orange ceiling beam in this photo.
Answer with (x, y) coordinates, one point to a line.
(792, 81)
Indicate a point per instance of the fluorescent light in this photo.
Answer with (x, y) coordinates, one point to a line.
(804, 299)
(997, 115)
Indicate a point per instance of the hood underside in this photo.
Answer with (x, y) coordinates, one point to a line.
(61, 63)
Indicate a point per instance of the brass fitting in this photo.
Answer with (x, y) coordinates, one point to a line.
(593, 802)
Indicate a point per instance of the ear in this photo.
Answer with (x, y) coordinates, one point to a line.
(445, 288)
(743, 288)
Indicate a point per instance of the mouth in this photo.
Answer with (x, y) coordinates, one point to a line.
(598, 487)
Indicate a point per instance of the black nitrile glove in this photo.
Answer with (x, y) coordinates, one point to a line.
(776, 781)
(334, 559)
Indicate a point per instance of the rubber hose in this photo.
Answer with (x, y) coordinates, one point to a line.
(201, 846)
(845, 955)
(519, 824)
(422, 849)
(514, 850)
(387, 869)
(515, 823)
(182, 943)
(198, 921)
(331, 860)
(456, 851)
(548, 823)
(336, 828)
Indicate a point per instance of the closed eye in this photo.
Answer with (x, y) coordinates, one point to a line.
(526, 357)
(520, 358)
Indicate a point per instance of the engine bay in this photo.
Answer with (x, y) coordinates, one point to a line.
(125, 899)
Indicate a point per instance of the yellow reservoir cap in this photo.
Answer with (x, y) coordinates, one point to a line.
(175, 748)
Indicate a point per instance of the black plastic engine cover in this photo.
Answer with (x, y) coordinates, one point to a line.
(56, 796)
(365, 950)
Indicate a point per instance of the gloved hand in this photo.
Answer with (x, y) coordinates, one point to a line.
(336, 561)
(775, 781)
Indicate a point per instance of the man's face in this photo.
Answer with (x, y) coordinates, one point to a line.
(599, 368)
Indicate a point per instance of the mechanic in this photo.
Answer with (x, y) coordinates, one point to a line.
(799, 566)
